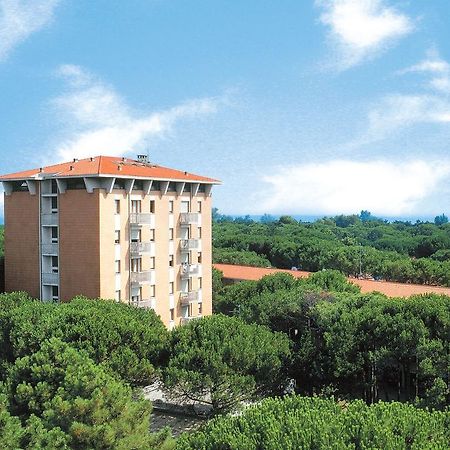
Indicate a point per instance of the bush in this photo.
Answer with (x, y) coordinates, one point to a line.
(313, 423)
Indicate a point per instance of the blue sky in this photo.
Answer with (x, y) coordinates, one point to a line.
(302, 107)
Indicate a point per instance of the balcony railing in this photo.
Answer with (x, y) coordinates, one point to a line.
(144, 277)
(185, 320)
(50, 249)
(142, 219)
(50, 278)
(142, 303)
(140, 247)
(187, 297)
(189, 218)
(188, 270)
(49, 219)
(189, 244)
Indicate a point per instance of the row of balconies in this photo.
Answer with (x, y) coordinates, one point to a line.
(186, 245)
(147, 276)
(135, 219)
(185, 298)
(148, 218)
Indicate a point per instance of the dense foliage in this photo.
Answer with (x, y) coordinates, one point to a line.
(66, 371)
(222, 361)
(130, 341)
(355, 345)
(312, 423)
(400, 251)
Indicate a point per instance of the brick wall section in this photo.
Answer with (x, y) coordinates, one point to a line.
(22, 243)
(79, 244)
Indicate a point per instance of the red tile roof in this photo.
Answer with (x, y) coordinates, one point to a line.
(390, 289)
(108, 166)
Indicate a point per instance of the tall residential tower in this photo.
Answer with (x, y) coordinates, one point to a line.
(113, 228)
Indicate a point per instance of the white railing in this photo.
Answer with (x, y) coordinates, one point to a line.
(185, 320)
(141, 277)
(189, 244)
(142, 218)
(50, 278)
(140, 247)
(142, 303)
(187, 297)
(49, 219)
(188, 270)
(189, 218)
(50, 249)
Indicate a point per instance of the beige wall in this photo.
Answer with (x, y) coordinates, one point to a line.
(22, 243)
(79, 244)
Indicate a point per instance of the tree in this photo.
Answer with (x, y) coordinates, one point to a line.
(441, 220)
(130, 341)
(222, 361)
(62, 390)
(315, 423)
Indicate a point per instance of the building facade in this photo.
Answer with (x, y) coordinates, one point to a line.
(112, 228)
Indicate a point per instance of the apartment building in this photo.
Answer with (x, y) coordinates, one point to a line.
(113, 228)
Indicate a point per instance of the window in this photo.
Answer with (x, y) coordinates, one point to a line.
(171, 234)
(117, 206)
(55, 292)
(54, 187)
(135, 206)
(137, 295)
(118, 296)
(54, 264)
(199, 232)
(54, 235)
(152, 290)
(191, 310)
(171, 287)
(152, 234)
(117, 237)
(200, 283)
(54, 204)
(184, 207)
(136, 264)
(170, 206)
(135, 235)
(172, 314)
(152, 262)
(199, 309)
(199, 207)
(117, 265)
(152, 206)
(199, 258)
(171, 260)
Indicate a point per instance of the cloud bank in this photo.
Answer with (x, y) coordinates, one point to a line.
(359, 29)
(96, 120)
(19, 19)
(347, 187)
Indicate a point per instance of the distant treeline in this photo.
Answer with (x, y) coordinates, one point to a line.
(357, 244)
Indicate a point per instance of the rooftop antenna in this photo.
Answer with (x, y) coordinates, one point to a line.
(144, 158)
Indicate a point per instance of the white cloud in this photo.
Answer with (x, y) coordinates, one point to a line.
(361, 28)
(20, 18)
(438, 68)
(98, 121)
(346, 187)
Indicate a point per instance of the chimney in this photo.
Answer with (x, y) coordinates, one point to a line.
(75, 159)
(71, 168)
(119, 167)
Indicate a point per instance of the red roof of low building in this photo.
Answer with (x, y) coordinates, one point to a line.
(108, 166)
(390, 289)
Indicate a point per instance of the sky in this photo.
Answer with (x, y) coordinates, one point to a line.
(306, 107)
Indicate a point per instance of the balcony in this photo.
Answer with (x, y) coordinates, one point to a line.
(49, 249)
(50, 278)
(137, 248)
(144, 277)
(49, 220)
(189, 218)
(139, 219)
(188, 270)
(189, 244)
(142, 304)
(187, 297)
(186, 320)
